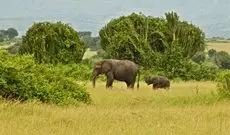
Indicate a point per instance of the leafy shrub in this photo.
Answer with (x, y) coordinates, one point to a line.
(184, 68)
(203, 71)
(199, 57)
(223, 60)
(21, 78)
(223, 83)
(136, 37)
(212, 52)
(53, 43)
(81, 72)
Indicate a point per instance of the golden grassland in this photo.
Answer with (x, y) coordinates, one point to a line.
(188, 108)
(219, 46)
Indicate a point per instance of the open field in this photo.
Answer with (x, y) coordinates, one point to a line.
(219, 46)
(186, 109)
(89, 54)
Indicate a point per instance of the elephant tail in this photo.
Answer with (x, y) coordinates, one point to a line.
(138, 79)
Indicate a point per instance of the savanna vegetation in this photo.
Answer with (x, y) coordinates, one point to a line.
(8, 34)
(45, 79)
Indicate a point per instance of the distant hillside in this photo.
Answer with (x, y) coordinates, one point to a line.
(211, 15)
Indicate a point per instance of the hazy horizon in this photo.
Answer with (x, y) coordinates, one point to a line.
(210, 15)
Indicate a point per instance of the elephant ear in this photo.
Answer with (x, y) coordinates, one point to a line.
(97, 65)
(106, 66)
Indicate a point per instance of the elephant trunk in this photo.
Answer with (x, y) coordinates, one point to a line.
(94, 81)
(95, 74)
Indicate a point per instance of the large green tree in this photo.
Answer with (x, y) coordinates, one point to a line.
(12, 32)
(53, 43)
(140, 38)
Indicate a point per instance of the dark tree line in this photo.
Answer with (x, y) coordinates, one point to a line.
(91, 42)
(8, 34)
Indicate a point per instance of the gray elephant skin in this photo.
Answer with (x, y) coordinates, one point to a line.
(120, 70)
(158, 82)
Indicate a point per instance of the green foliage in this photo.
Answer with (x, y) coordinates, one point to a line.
(191, 38)
(21, 78)
(165, 45)
(199, 57)
(53, 43)
(203, 71)
(12, 32)
(140, 38)
(212, 52)
(185, 68)
(221, 59)
(127, 37)
(91, 42)
(223, 84)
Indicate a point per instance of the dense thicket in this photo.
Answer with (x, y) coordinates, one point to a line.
(166, 45)
(22, 79)
(8, 34)
(134, 36)
(53, 43)
(221, 59)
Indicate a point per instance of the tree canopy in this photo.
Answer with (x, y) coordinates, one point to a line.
(139, 38)
(12, 32)
(53, 43)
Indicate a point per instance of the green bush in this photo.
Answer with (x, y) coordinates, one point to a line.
(199, 57)
(223, 60)
(137, 37)
(203, 71)
(212, 52)
(22, 79)
(53, 43)
(185, 69)
(223, 83)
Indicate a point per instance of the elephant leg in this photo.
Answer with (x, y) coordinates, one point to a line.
(110, 79)
(167, 88)
(129, 85)
(154, 86)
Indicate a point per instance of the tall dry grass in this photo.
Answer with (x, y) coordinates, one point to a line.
(187, 109)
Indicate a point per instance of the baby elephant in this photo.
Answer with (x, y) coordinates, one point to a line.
(158, 82)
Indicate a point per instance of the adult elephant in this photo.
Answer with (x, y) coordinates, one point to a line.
(121, 70)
